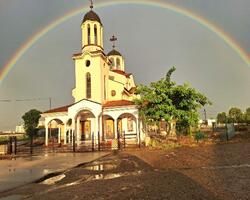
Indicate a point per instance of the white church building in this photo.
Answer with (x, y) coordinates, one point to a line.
(103, 95)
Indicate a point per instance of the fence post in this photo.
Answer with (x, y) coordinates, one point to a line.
(99, 142)
(15, 145)
(31, 143)
(74, 142)
(227, 132)
(124, 138)
(93, 142)
(118, 138)
(139, 132)
(10, 145)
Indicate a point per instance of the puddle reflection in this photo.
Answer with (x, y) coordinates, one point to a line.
(101, 167)
(53, 180)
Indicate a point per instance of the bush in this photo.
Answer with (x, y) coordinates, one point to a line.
(199, 136)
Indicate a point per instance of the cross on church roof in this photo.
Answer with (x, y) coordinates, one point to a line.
(91, 5)
(113, 39)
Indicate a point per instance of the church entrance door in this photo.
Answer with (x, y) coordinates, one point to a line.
(86, 130)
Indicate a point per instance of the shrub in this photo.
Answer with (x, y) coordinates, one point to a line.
(199, 136)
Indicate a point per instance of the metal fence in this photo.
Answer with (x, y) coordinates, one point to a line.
(14, 146)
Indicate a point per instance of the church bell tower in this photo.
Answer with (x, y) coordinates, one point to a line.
(91, 64)
(92, 31)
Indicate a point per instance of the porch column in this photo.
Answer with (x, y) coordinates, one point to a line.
(141, 132)
(78, 135)
(65, 134)
(100, 128)
(69, 136)
(59, 135)
(73, 131)
(115, 125)
(96, 129)
(137, 130)
(46, 135)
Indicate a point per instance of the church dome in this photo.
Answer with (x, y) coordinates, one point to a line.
(114, 53)
(92, 16)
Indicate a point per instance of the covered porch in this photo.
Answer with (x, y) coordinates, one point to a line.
(87, 124)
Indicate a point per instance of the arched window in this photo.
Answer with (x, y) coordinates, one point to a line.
(112, 62)
(95, 34)
(118, 63)
(89, 34)
(88, 86)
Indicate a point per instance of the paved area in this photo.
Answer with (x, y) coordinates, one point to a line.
(14, 173)
(213, 172)
(118, 176)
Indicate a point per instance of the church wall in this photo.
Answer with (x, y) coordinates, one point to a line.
(104, 68)
(81, 70)
(118, 88)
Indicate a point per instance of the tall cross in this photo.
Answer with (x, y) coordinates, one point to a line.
(91, 4)
(113, 39)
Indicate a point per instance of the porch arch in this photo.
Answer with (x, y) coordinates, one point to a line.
(108, 127)
(54, 127)
(86, 125)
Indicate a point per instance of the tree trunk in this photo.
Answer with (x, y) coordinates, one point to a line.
(31, 143)
(169, 128)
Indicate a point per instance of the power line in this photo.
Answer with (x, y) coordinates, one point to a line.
(5, 100)
(26, 100)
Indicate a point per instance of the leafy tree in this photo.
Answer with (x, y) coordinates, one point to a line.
(247, 116)
(31, 120)
(164, 100)
(235, 115)
(222, 118)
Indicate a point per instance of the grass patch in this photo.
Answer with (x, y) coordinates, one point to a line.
(164, 145)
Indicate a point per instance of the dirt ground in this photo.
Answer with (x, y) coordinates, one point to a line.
(207, 172)
(223, 170)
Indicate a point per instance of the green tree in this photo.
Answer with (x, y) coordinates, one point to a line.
(235, 115)
(222, 118)
(247, 116)
(31, 120)
(164, 100)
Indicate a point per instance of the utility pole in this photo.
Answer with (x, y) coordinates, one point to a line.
(205, 114)
(50, 100)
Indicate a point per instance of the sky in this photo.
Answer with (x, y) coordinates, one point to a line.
(151, 39)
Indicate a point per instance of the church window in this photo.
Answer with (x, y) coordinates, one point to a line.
(113, 93)
(88, 86)
(89, 35)
(112, 62)
(95, 34)
(118, 63)
(88, 63)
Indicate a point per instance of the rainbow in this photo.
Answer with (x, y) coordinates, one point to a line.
(155, 3)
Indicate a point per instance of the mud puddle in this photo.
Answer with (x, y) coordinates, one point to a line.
(100, 167)
(53, 180)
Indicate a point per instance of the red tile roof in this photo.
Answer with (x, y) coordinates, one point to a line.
(121, 72)
(60, 109)
(118, 103)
